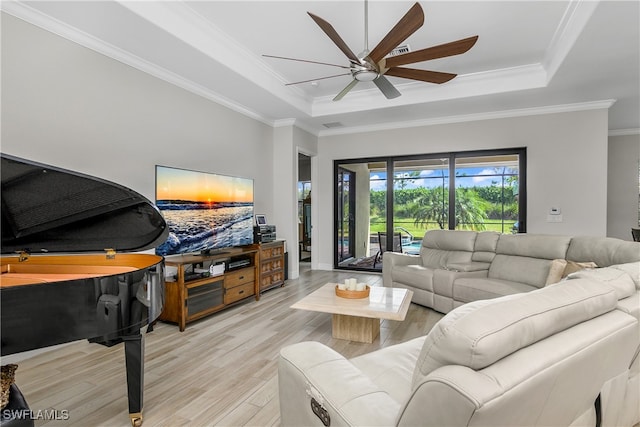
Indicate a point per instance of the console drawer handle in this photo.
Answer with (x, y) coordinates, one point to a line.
(241, 277)
(241, 292)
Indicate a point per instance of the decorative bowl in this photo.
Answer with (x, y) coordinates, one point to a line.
(353, 294)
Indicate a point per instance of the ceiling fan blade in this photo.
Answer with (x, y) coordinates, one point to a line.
(386, 87)
(441, 51)
(305, 60)
(319, 78)
(344, 91)
(422, 75)
(409, 23)
(335, 37)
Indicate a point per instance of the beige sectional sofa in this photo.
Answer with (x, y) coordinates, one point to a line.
(457, 267)
(538, 358)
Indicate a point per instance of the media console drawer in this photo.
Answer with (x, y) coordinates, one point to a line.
(240, 277)
(238, 292)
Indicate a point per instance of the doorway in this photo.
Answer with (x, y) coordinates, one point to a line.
(304, 207)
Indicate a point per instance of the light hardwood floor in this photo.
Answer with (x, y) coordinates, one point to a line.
(221, 371)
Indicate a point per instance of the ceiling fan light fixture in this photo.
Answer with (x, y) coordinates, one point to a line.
(365, 75)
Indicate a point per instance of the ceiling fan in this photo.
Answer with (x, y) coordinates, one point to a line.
(373, 66)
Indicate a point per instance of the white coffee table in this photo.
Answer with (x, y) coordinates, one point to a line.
(358, 319)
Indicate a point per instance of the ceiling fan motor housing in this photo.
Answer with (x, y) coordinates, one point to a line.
(364, 72)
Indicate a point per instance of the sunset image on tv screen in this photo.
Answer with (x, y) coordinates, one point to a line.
(203, 210)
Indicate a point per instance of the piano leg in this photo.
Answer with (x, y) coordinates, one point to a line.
(134, 358)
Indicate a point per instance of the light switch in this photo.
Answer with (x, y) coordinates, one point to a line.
(555, 211)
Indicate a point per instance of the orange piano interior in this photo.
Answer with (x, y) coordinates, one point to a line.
(47, 269)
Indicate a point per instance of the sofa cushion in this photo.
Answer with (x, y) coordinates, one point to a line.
(631, 305)
(534, 246)
(604, 251)
(480, 333)
(440, 247)
(485, 247)
(473, 289)
(530, 271)
(632, 269)
(414, 275)
(526, 258)
(619, 280)
(450, 240)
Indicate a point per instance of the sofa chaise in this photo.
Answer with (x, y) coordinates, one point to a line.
(538, 358)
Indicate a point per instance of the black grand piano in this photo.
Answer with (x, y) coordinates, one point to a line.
(93, 291)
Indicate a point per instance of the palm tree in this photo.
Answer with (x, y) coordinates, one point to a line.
(470, 210)
(432, 206)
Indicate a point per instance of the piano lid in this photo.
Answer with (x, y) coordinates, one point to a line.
(49, 209)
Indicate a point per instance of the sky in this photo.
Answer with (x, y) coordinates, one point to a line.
(182, 184)
(480, 177)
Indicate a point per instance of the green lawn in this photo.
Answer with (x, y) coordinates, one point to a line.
(418, 232)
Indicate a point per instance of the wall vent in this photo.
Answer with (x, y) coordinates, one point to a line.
(404, 48)
(332, 125)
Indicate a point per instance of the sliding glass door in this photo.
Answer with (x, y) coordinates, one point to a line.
(387, 204)
(346, 219)
(487, 189)
(420, 200)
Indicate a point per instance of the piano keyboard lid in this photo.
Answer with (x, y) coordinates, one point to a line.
(49, 209)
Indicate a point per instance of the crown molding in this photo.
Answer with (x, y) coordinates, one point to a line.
(475, 84)
(283, 123)
(624, 132)
(533, 111)
(573, 21)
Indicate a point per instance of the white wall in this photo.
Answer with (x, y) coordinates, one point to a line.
(622, 194)
(566, 165)
(288, 142)
(68, 106)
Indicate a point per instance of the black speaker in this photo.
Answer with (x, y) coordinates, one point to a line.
(286, 266)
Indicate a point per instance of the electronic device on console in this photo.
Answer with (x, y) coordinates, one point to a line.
(264, 233)
(237, 263)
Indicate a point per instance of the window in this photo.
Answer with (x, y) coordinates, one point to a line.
(481, 190)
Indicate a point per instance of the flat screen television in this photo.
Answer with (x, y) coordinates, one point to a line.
(205, 212)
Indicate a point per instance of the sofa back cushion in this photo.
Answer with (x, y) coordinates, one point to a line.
(480, 333)
(442, 247)
(484, 249)
(526, 258)
(632, 269)
(604, 251)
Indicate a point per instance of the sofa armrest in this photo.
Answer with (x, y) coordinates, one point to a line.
(395, 259)
(469, 266)
(310, 370)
